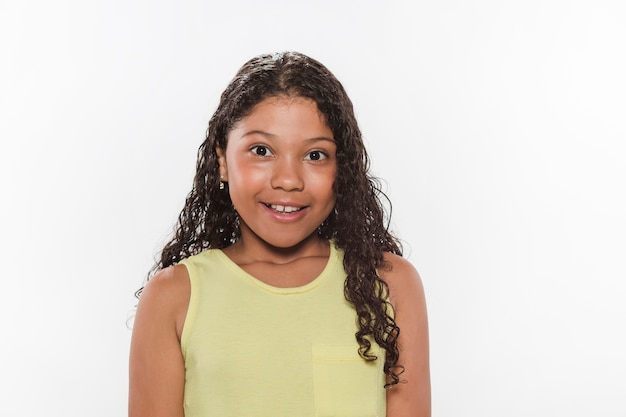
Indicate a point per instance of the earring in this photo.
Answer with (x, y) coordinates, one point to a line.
(221, 182)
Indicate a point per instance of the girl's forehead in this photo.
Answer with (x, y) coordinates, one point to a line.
(285, 101)
(280, 110)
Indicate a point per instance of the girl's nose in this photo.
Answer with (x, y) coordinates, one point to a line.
(287, 175)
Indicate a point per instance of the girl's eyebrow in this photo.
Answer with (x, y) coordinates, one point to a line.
(321, 138)
(258, 132)
(273, 136)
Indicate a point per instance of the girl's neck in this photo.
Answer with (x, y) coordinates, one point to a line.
(250, 249)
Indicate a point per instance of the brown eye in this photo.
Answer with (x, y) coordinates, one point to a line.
(316, 155)
(261, 150)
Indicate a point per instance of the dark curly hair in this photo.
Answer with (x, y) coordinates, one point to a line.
(358, 224)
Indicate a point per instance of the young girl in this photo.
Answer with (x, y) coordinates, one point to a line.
(282, 292)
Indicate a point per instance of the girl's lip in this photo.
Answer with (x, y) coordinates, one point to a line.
(284, 204)
(285, 207)
(285, 211)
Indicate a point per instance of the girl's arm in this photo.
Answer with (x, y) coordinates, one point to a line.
(157, 371)
(410, 398)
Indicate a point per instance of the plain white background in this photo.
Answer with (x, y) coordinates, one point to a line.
(497, 126)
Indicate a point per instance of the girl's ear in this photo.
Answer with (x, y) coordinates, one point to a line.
(221, 159)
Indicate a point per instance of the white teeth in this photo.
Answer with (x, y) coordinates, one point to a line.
(284, 209)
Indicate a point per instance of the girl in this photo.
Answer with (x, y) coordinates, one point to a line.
(282, 292)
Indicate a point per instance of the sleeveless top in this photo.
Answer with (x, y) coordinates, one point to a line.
(253, 350)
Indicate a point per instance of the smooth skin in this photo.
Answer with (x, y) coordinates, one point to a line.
(281, 155)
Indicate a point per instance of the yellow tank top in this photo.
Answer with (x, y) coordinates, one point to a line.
(254, 350)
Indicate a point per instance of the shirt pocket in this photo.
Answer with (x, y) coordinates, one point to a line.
(346, 385)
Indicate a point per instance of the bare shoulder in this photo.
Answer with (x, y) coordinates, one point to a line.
(403, 280)
(157, 371)
(166, 295)
(171, 281)
(406, 294)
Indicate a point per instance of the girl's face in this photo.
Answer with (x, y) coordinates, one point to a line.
(280, 164)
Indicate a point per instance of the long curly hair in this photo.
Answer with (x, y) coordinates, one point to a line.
(359, 224)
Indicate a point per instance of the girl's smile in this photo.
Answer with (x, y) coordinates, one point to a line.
(294, 254)
(280, 164)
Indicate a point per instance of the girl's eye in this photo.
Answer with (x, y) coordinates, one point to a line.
(261, 150)
(316, 155)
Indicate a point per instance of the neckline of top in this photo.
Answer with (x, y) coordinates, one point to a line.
(330, 263)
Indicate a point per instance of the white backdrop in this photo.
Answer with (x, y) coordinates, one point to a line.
(498, 127)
